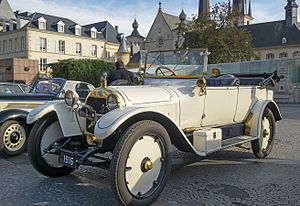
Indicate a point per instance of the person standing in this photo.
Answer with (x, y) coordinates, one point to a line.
(120, 73)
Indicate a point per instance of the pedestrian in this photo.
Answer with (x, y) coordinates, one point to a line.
(120, 73)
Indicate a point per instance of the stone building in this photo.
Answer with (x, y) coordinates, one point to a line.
(277, 39)
(47, 38)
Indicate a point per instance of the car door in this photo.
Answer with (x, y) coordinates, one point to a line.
(220, 105)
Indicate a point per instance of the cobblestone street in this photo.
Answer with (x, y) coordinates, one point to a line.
(230, 177)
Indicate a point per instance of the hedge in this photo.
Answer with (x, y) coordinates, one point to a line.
(86, 70)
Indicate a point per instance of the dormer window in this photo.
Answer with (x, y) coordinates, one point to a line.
(42, 23)
(60, 27)
(78, 30)
(284, 40)
(93, 32)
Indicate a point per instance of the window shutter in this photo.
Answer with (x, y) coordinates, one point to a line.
(66, 48)
(17, 44)
(98, 51)
(82, 49)
(57, 46)
(38, 44)
(0, 46)
(91, 50)
(48, 45)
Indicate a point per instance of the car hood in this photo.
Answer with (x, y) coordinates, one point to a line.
(144, 94)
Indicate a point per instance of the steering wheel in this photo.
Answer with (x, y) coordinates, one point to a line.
(164, 67)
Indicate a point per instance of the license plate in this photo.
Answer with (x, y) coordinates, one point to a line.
(68, 159)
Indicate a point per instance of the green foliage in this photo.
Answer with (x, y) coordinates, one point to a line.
(218, 33)
(82, 70)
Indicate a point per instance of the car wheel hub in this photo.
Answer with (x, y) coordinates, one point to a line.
(143, 166)
(14, 137)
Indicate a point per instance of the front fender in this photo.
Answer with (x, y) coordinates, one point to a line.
(12, 114)
(114, 119)
(258, 111)
(66, 117)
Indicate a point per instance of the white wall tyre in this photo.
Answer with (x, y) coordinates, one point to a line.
(263, 146)
(13, 138)
(141, 163)
(44, 132)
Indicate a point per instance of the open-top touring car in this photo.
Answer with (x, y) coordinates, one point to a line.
(174, 102)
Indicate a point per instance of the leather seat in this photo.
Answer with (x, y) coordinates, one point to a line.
(223, 81)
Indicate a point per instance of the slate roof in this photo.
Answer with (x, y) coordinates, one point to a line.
(172, 21)
(270, 34)
(6, 12)
(108, 31)
(51, 25)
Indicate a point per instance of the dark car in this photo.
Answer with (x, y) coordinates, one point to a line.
(15, 105)
(14, 88)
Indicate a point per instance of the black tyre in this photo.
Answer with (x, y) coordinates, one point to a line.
(13, 138)
(263, 146)
(141, 163)
(45, 131)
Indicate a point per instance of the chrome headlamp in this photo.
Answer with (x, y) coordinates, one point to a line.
(113, 102)
(71, 98)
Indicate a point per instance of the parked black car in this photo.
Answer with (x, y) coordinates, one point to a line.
(15, 106)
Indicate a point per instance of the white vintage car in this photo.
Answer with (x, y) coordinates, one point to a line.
(174, 102)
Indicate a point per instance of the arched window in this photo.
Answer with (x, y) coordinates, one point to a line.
(283, 55)
(270, 56)
(296, 54)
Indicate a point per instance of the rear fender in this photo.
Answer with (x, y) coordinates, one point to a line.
(65, 115)
(258, 111)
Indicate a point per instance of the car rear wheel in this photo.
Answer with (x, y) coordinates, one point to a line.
(13, 139)
(46, 131)
(141, 163)
(263, 146)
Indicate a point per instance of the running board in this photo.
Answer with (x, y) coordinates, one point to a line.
(236, 141)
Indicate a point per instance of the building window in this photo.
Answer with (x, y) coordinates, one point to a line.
(42, 25)
(43, 64)
(94, 50)
(43, 44)
(270, 56)
(61, 47)
(78, 48)
(296, 54)
(283, 40)
(93, 34)
(60, 28)
(283, 55)
(23, 41)
(11, 45)
(108, 54)
(17, 44)
(78, 31)
(5, 46)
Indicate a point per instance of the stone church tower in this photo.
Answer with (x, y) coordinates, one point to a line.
(203, 7)
(241, 7)
(135, 39)
(291, 13)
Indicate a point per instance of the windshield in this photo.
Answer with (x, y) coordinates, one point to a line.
(175, 63)
(51, 86)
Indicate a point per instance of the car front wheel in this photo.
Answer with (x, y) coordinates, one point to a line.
(46, 131)
(13, 136)
(141, 163)
(263, 146)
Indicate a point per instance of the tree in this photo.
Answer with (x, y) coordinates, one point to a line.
(82, 70)
(219, 34)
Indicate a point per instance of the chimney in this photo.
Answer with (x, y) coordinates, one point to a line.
(291, 12)
(117, 28)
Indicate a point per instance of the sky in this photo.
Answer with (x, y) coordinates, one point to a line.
(123, 12)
